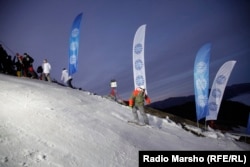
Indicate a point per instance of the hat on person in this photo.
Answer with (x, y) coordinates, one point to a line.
(142, 87)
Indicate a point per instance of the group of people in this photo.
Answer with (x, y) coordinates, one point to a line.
(6, 62)
(18, 66)
(22, 66)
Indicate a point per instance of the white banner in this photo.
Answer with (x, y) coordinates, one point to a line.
(138, 57)
(218, 89)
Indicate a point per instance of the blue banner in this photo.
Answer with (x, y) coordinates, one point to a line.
(74, 44)
(201, 80)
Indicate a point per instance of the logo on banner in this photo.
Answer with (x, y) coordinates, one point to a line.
(202, 100)
(73, 46)
(201, 84)
(138, 64)
(138, 48)
(216, 93)
(213, 106)
(72, 59)
(75, 32)
(140, 80)
(221, 79)
(201, 67)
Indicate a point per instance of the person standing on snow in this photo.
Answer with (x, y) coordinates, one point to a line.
(46, 70)
(19, 65)
(137, 101)
(28, 66)
(66, 77)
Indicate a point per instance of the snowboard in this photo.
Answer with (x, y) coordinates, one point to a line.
(137, 123)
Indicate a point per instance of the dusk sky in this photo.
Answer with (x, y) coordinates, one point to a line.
(175, 31)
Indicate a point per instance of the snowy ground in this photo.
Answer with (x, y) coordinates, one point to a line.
(46, 125)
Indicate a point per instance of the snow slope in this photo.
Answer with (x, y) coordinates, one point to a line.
(46, 125)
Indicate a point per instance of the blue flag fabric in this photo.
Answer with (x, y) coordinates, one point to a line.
(201, 80)
(74, 44)
(248, 125)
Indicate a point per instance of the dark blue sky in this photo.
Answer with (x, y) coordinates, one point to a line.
(175, 31)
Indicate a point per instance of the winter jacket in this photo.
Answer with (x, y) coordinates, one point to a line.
(19, 63)
(138, 98)
(27, 61)
(65, 76)
(46, 68)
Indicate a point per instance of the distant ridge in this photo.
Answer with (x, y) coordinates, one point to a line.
(230, 92)
(232, 112)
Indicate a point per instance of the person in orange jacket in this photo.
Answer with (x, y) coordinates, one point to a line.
(137, 101)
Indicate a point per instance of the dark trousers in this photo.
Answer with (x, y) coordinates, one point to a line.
(69, 83)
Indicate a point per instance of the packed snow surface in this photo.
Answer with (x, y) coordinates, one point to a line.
(47, 125)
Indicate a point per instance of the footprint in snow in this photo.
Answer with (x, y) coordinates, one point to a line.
(35, 156)
(4, 159)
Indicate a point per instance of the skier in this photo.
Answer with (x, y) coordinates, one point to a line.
(137, 101)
